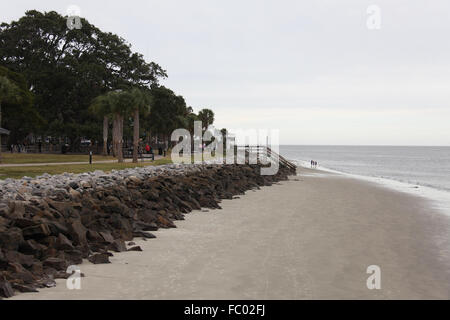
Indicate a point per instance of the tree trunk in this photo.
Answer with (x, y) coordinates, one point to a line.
(120, 139)
(0, 133)
(105, 135)
(114, 135)
(135, 135)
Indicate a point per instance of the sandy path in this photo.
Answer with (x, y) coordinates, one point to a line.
(307, 239)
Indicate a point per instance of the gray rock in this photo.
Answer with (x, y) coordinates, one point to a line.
(99, 258)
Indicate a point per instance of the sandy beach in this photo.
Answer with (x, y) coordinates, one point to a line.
(312, 237)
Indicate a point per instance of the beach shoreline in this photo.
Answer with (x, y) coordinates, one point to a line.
(437, 199)
(311, 237)
(418, 170)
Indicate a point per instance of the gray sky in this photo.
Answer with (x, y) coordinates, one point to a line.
(312, 69)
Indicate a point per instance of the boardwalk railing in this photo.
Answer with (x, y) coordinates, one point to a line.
(258, 151)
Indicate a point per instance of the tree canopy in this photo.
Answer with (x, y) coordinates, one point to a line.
(66, 69)
(18, 112)
(206, 116)
(167, 112)
(72, 82)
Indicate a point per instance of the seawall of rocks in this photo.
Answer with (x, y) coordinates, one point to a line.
(51, 222)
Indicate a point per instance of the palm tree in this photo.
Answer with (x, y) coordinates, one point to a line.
(141, 104)
(118, 105)
(224, 134)
(129, 103)
(206, 116)
(112, 104)
(189, 124)
(103, 106)
(8, 91)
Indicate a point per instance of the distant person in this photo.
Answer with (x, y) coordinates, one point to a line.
(312, 164)
(147, 148)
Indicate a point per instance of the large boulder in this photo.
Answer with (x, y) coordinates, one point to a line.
(32, 247)
(37, 231)
(113, 205)
(11, 238)
(107, 236)
(78, 232)
(117, 246)
(17, 257)
(3, 260)
(17, 209)
(62, 243)
(99, 258)
(17, 273)
(56, 263)
(135, 248)
(6, 289)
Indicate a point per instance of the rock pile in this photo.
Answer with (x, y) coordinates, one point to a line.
(51, 222)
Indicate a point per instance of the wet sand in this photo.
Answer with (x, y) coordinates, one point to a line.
(312, 237)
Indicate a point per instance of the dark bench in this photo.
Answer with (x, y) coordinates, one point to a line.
(147, 156)
(128, 154)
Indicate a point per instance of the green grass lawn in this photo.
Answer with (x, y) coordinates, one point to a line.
(18, 158)
(33, 171)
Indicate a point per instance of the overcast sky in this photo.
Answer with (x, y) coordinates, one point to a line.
(312, 69)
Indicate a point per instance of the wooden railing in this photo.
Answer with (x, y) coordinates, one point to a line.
(263, 150)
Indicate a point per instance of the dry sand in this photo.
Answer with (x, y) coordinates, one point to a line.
(312, 237)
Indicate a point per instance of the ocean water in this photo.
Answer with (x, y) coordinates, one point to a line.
(421, 170)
